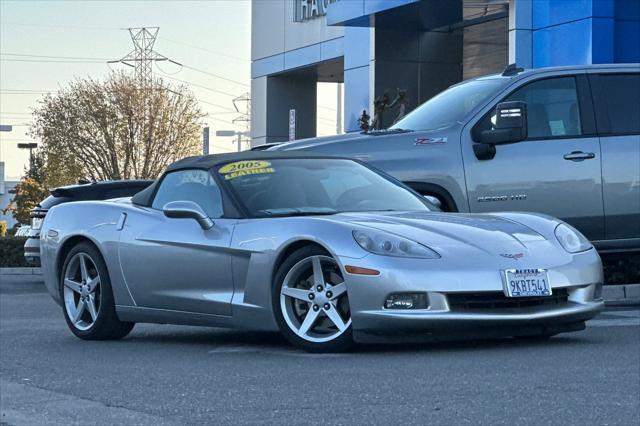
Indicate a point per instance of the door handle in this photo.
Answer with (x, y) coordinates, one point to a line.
(579, 156)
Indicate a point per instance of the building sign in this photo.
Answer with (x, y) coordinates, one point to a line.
(292, 124)
(205, 141)
(305, 10)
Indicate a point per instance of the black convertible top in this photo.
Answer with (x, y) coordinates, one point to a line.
(144, 198)
(210, 161)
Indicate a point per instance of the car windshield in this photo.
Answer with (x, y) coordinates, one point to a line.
(296, 187)
(450, 106)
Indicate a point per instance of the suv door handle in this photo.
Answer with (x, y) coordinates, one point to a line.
(579, 156)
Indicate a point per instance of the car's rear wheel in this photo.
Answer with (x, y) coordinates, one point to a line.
(88, 305)
(310, 302)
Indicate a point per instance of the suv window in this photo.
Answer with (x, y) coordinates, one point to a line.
(190, 185)
(552, 108)
(621, 99)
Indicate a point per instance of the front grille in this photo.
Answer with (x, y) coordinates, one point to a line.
(497, 300)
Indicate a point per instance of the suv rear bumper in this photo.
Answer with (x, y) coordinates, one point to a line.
(32, 250)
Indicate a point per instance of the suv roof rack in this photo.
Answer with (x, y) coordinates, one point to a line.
(512, 69)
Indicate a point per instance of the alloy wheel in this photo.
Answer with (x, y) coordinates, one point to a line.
(313, 300)
(82, 291)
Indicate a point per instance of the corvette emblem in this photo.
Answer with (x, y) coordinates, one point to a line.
(514, 256)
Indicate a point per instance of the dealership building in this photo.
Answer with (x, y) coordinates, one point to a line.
(416, 47)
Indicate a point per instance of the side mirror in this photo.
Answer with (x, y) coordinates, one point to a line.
(435, 201)
(484, 151)
(187, 210)
(511, 124)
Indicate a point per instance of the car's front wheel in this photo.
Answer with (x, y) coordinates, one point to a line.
(88, 304)
(310, 302)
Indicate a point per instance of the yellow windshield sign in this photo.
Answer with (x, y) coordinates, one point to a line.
(243, 168)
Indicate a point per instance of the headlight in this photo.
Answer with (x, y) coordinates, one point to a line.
(572, 240)
(392, 245)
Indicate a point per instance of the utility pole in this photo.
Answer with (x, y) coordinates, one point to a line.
(229, 133)
(3, 128)
(143, 56)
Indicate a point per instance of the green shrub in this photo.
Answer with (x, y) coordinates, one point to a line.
(12, 253)
(3, 228)
(622, 270)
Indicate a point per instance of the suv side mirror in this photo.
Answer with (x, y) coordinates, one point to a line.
(511, 124)
(187, 210)
(435, 201)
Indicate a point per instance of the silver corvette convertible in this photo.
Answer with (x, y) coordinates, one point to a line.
(326, 250)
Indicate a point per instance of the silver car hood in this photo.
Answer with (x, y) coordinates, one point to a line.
(443, 231)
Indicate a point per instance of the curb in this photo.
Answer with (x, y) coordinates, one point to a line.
(20, 271)
(626, 294)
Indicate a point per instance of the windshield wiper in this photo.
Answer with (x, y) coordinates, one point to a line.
(297, 212)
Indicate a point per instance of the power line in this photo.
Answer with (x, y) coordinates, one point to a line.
(206, 50)
(216, 105)
(222, 112)
(27, 92)
(17, 140)
(64, 27)
(52, 61)
(28, 55)
(201, 86)
(220, 120)
(215, 75)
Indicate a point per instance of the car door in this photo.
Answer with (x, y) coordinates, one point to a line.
(617, 103)
(175, 264)
(556, 170)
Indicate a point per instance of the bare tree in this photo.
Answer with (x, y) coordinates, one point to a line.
(115, 129)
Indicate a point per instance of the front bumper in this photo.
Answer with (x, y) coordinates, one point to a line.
(578, 278)
(402, 327)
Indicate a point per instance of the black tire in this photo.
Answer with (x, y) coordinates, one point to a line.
(106, 326)
(341, 343)
(534, 337)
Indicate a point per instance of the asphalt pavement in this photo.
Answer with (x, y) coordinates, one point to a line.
(162, 374)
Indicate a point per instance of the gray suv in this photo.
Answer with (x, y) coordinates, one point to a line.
(561, 141)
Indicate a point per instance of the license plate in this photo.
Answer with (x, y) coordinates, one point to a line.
(526, 283)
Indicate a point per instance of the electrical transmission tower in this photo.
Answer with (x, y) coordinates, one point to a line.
(245, 116)
(142, 56)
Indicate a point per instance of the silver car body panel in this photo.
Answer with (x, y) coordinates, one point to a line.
(172, 271)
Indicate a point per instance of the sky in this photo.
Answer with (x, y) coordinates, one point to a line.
(46, 44)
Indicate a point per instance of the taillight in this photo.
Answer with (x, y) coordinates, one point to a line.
(36, 222)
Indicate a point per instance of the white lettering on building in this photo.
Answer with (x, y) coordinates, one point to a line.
(305, 10)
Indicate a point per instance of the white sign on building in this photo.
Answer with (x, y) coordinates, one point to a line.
(310, 9)
(292, 124)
